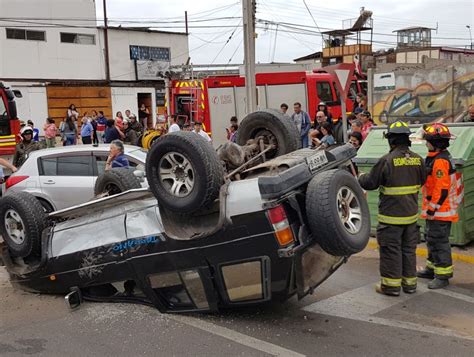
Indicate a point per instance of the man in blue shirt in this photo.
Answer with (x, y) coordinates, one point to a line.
(116, 158)
(86, 131)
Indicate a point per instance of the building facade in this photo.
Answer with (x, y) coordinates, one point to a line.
(53, 51)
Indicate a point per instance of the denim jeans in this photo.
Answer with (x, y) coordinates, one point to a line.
(70, 139)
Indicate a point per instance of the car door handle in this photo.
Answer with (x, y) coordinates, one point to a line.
(49, 182)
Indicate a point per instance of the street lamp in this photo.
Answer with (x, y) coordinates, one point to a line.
(470, 34)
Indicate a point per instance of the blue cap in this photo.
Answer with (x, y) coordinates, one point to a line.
(358, 110)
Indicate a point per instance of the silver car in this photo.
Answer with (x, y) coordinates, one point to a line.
(62, 177)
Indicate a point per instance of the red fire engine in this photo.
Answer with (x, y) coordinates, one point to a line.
(9, 123)
(214, 100)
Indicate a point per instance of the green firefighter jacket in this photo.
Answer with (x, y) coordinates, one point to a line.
(23, 150)
(399, 176)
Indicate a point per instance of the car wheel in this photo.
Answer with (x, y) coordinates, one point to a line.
(276, 129)
(115, 181)
(337, 212)
(22, 220)
(184, 172)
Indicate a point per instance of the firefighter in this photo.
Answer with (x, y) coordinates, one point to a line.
(26, 146)
(440, 202)
(399, 176)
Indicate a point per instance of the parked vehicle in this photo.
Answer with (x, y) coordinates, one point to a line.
(213, 100)
(65, 176)
(202, 238)
(9, 122)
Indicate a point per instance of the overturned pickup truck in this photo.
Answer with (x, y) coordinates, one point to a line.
(257, 221)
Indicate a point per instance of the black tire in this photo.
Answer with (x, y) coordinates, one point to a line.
(279, 128)
(327, 210)
(197, 177)
(26, 222)
(115, 181)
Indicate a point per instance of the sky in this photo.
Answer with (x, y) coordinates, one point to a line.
(285, 28)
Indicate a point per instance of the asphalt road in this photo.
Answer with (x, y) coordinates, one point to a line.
(344, 317)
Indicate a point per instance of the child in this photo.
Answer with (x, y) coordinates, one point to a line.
(50, 132)
(327, 139)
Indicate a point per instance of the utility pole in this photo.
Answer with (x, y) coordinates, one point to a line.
(106, 43)
(186, 22)
(248, 9)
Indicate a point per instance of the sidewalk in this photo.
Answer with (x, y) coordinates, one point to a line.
(460, 254)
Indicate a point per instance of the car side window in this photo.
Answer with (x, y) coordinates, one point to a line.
(48, 166)
(102, 159)
(324, 91)
(74, 166)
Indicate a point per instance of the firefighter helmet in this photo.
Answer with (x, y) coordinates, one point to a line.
(398, 127)
(26, 130)
(436, 131)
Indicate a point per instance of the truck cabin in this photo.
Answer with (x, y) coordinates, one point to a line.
(9, 123)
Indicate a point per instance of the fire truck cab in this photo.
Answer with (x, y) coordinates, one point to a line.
(214, 100)
(9, 122)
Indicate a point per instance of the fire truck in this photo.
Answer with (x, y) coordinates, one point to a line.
(214, 100)
(9, 122)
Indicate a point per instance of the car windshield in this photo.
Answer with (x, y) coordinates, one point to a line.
(140, 154)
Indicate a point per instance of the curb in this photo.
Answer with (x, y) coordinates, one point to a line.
(423, 252)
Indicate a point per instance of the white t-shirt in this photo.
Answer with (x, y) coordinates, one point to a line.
(174, 127)
(203, 134)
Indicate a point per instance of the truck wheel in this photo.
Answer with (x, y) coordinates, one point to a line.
(337, 212)
(22, 221)
(184, 172)
(274, 127)
(115, 181)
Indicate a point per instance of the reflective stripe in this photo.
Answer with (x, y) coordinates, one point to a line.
(409, 281)
(429, 264)
(397, 220)
(432, 205)
(392, 282)
(400, 190)
(443, 271)
(441, 214)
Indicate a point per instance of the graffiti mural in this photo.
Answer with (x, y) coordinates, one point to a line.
(427, 103)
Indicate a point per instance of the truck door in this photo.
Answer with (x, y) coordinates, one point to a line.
(4, 117)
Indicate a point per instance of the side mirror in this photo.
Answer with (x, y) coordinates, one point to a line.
(74, 298)
(17, 93)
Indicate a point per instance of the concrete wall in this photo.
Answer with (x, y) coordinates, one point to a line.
(435, 90)
(122, 67)
(50, 59)
(124, 98)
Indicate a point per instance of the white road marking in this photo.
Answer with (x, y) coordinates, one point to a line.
(363, 303)
(235, 336)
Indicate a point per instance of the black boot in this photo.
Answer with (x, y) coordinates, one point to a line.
(426, 273)
(409, 289)
(437, 283)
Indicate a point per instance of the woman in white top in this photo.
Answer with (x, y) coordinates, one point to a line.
(72, 112)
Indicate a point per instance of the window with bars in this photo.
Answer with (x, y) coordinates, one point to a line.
(150, 53)
(30, 35)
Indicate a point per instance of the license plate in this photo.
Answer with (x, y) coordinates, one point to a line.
(316, 161)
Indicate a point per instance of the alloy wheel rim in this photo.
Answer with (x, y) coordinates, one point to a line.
(176, 174)
(349, 210)
(14, 226)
